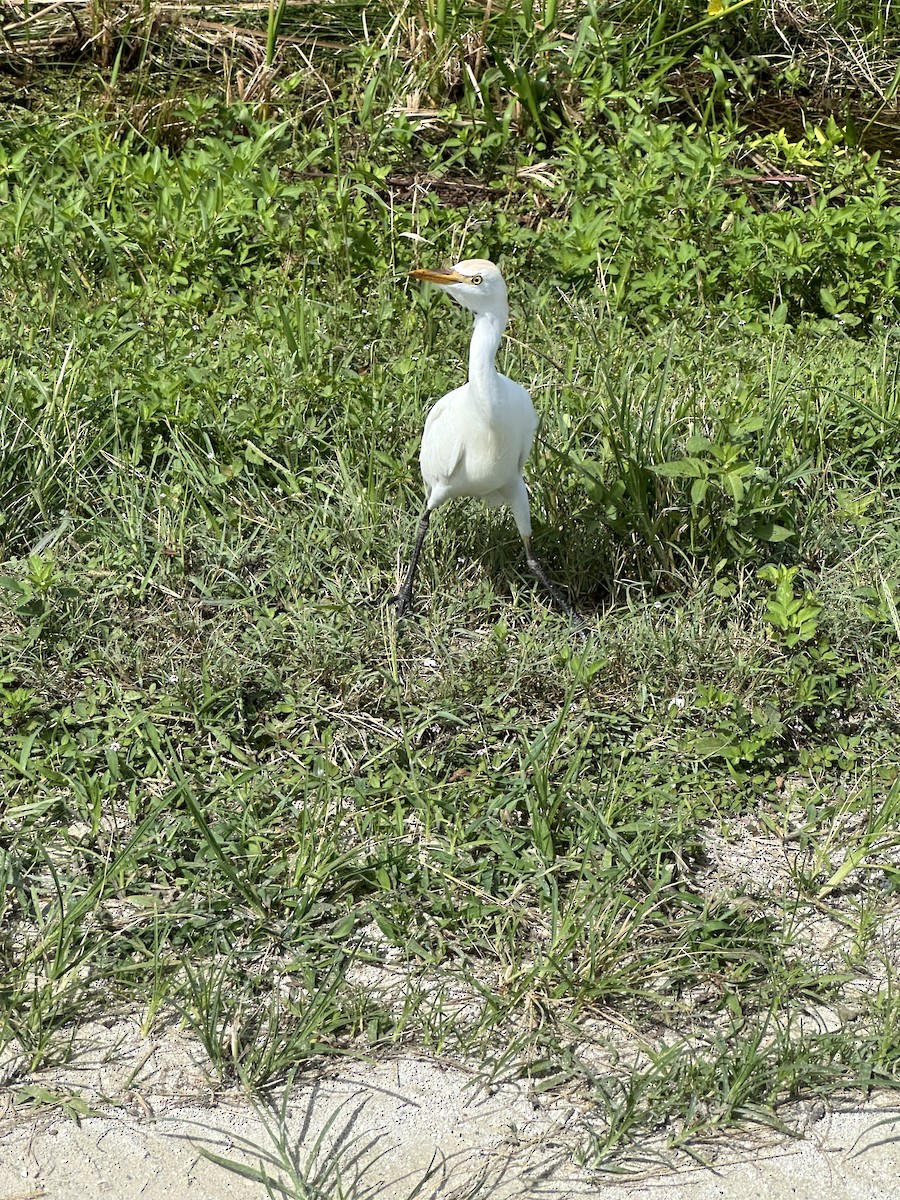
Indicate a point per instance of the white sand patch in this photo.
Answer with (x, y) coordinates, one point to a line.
(381, 1129)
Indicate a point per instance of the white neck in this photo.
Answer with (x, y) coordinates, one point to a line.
(486, 337)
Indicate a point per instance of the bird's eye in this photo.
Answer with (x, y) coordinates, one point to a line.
(476, 279)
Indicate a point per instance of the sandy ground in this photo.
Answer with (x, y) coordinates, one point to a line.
(380, 1130)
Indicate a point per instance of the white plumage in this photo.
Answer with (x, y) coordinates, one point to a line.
(478, 437)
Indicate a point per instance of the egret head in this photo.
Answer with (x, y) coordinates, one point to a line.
(474, 283)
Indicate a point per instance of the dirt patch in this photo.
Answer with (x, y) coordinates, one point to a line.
(134, 1116)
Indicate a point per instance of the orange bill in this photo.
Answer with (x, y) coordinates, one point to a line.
(440, 275)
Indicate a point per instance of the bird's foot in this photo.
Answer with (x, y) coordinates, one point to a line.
(580, 627)
(402, 602)
(578, 621)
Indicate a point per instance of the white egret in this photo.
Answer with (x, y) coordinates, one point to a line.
(478, 437)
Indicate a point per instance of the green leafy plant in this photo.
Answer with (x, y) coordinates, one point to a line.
(794, 618)
(682, 497)
(38, 595)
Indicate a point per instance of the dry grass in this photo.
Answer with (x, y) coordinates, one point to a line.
(43, 32)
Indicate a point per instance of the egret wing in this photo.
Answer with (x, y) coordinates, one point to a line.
(443, 444)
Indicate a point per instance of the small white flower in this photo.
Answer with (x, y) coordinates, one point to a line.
(114, 746)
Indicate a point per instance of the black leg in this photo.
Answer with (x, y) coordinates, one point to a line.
(403, 599)
(555, 594)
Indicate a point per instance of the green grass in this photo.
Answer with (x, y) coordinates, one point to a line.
(230, 780)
